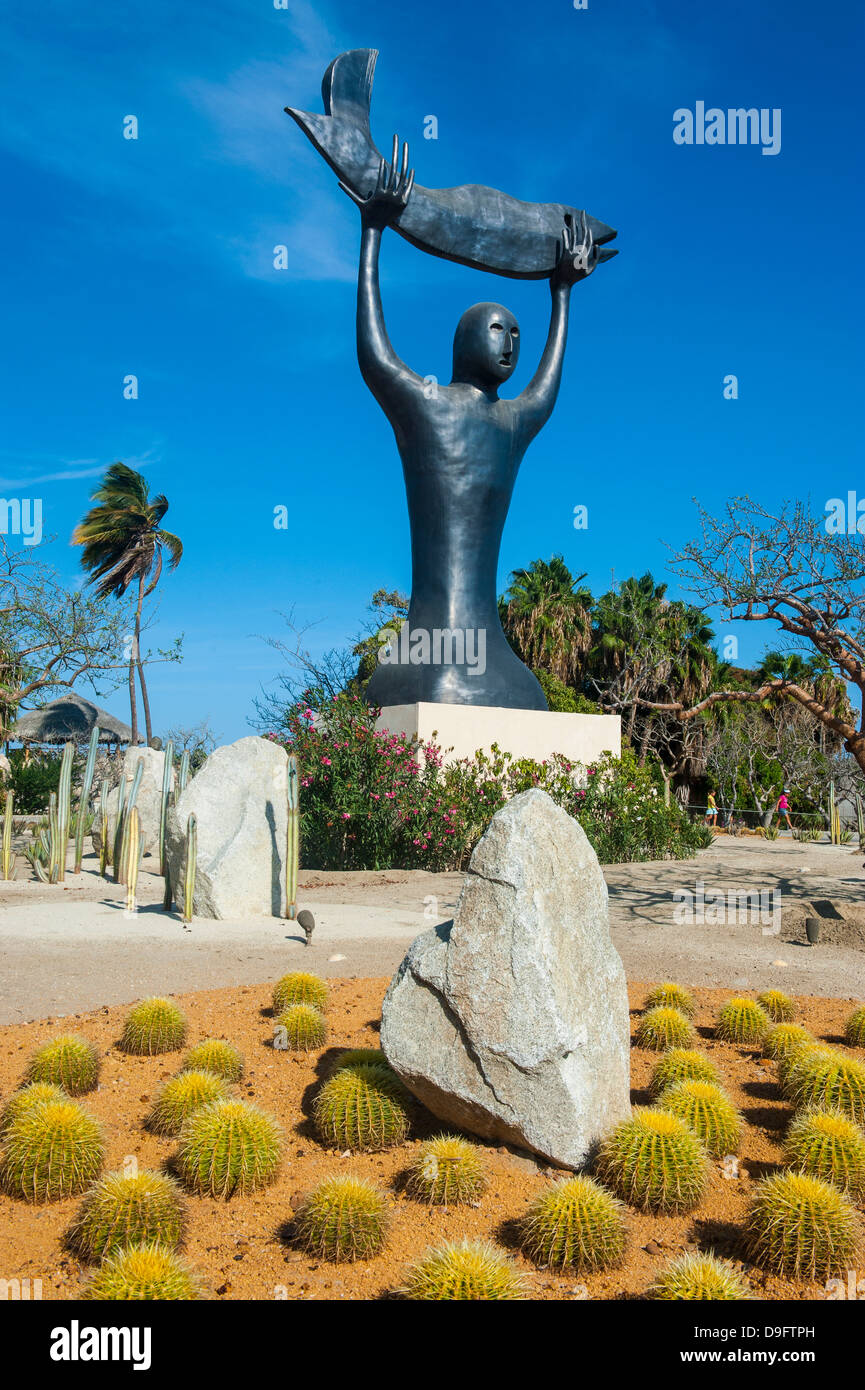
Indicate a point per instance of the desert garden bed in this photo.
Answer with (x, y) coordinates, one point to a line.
(244, 1247)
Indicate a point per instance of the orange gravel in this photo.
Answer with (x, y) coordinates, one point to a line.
(243, 1248)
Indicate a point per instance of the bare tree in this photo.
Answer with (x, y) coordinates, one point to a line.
(785, 568)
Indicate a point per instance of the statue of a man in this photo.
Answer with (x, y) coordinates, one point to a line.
(461, 447)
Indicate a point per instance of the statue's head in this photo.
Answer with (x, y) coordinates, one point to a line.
(486, 346)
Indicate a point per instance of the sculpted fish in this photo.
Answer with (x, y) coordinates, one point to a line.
(477, 226)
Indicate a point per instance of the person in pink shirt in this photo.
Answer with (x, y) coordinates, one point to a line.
(783, 808)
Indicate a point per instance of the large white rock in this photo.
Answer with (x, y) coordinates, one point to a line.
(239, 800)
(512, 1021)
(148, 800)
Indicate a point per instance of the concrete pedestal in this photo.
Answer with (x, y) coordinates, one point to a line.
(460, 730)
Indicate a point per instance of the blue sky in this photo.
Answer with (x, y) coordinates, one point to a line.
(155, 257)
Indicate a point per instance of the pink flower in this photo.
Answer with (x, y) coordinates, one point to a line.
(326, 761)
(346, 815)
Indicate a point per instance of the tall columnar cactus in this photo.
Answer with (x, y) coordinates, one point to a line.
(8, 858)
(292, 839)
(84, 799)
(655, 1162)
(575, 1224)
(468, 1272)
(64, 808)
(50, 1151)
(801, 1227)
(140, 1273)
(189, 867)
(118, 830)
(53, 840)
(134, 851)
(699, 1278)
(104, 838)
(229, 1147)
(343, 1218)
(124, 836)
(123, 1209)
(167, 779)
(860, 821)
(182, 775)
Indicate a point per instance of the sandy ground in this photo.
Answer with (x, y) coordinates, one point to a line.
(244, 1248)
(72, 947)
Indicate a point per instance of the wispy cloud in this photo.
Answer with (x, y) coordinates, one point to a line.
(72, 470)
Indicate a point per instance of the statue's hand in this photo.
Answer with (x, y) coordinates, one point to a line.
(393, 188)
(577, 254)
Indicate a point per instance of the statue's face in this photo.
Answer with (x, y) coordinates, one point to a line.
(486, 345)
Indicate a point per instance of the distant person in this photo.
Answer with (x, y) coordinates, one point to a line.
(783, 809)
(712, 810)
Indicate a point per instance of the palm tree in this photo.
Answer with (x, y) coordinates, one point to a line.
(123, 544)
(546, 615)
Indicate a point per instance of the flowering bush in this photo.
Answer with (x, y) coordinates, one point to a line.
(371, 799)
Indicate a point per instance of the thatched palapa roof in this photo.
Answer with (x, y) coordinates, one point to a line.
(69, 719)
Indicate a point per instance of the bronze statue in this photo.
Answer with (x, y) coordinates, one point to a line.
(461, 447)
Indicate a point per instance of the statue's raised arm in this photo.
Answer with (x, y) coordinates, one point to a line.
(578, 254)
(386, 375)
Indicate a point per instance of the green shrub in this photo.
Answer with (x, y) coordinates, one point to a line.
(801, 1227)
(229, 1147)
(121, 1210)
(699, 1278)
(682, 1064)
(575, 1224)
(215, 1055)
(70, 1062)
(361, 1108)
(470, 1271)
(654, 1162)
(448, 1170)
(343, 1218)
(373, 799)
(152, 1027)
(143, 1273)
(52, 1150)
